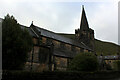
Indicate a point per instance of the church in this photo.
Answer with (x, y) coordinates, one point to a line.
(52, 51)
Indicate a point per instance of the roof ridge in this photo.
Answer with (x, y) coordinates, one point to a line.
(52, 32)
(44, 29)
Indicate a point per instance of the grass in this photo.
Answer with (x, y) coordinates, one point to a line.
(66, 75)
(107, 48)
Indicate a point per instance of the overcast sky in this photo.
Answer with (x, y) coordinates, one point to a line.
(64, 16)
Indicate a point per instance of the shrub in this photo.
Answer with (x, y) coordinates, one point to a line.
(118, 65)
(84, 62)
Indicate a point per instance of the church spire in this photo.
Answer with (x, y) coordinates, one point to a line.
(84, 23)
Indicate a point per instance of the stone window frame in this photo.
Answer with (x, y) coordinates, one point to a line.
(62, 45)
(44, 39)
(56, 43)
(49, 41)
(68, 47)
(73, 48)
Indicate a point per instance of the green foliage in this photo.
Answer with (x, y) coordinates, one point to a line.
(118, 65)
(106, 48)
(84, 62)
(16, 44)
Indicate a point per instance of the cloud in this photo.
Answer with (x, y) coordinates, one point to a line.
(105, 22)
(64, 17)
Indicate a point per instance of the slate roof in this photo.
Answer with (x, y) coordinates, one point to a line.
(55, 36)
(64, 53)
(58, 37)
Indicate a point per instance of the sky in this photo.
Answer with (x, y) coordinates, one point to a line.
(64, 16)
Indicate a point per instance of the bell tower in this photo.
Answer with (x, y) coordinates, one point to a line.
(84, 33)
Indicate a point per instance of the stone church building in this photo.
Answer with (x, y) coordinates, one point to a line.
(52, 51)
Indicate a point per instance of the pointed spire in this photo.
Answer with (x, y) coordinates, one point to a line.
(84, 23)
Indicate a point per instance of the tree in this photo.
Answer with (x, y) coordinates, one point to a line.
(84, 62)
(16, 44)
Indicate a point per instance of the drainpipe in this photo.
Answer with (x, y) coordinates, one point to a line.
(31, 67)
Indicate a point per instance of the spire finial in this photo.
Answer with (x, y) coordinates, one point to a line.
(32, 23)
(82, 6)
